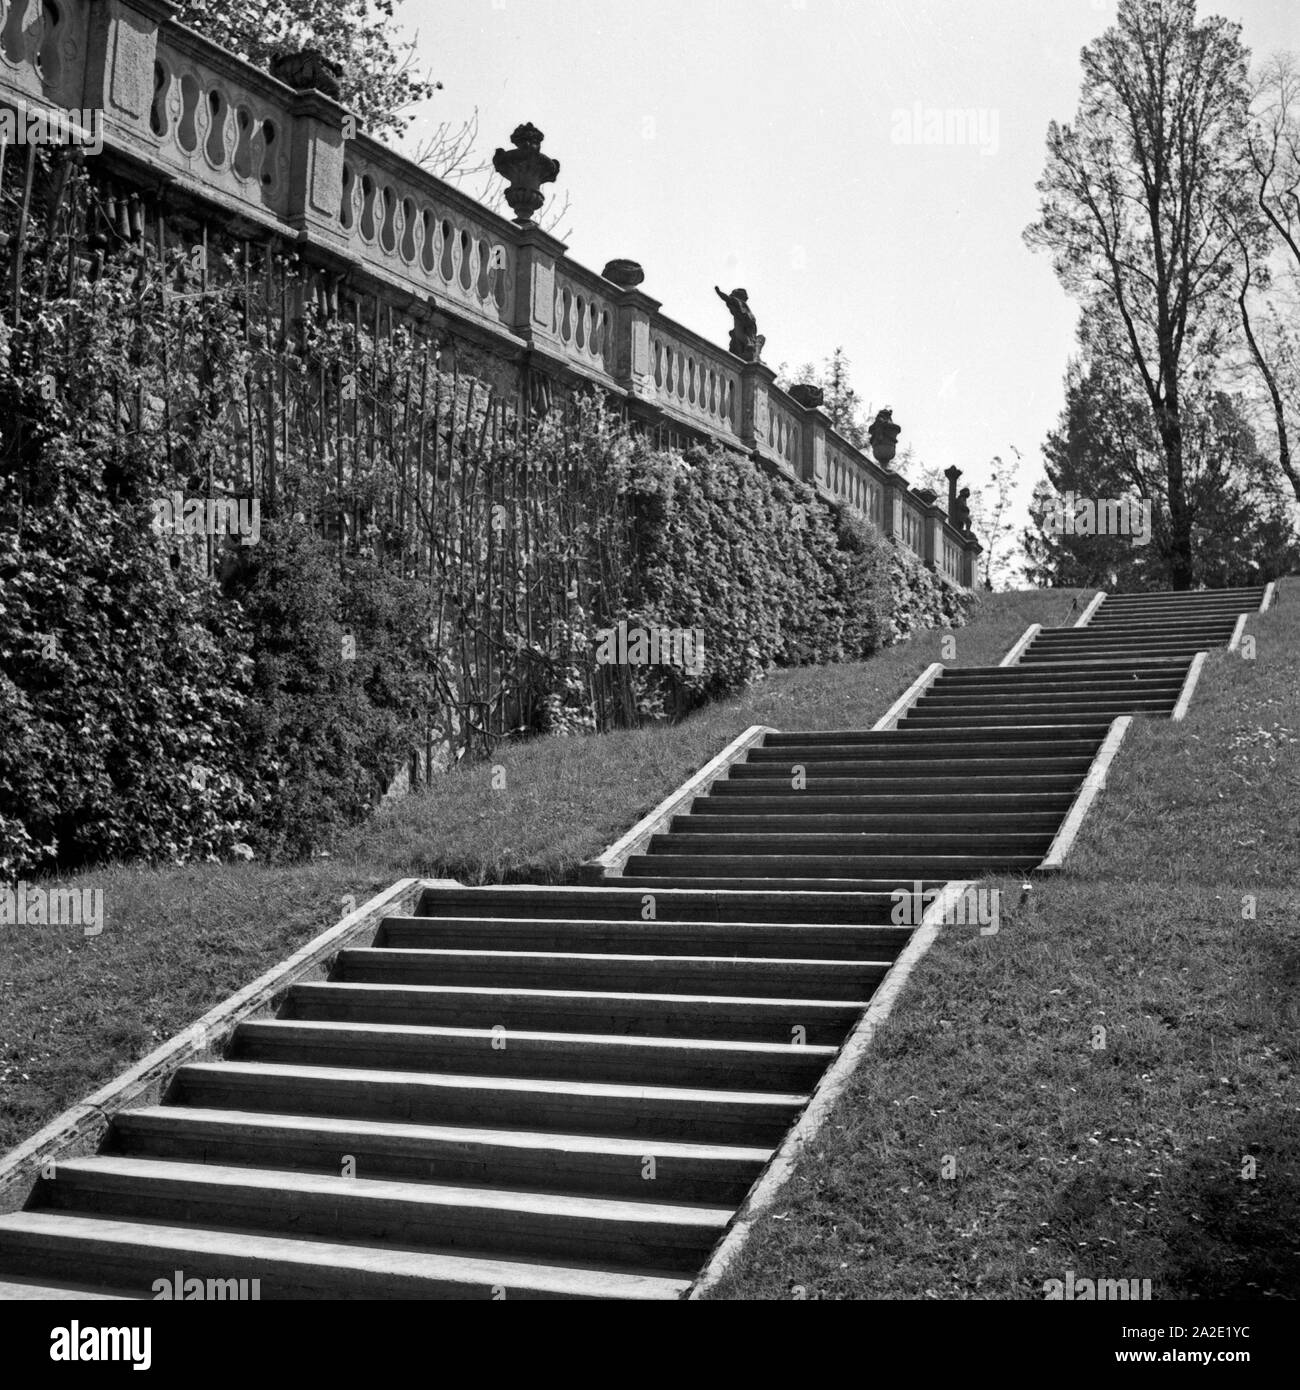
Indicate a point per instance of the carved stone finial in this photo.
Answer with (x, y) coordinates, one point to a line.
(308, 70)
(952, 473)
(526, 169)
(746, 341)
(883, 436)
(808, 395)
(626, 275)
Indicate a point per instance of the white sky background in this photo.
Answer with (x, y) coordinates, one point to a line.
(751, 142)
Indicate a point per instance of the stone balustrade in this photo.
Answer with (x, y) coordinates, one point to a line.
(695, 382)
(424, 237)
(189, 119)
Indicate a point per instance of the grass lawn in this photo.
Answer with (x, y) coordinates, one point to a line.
(74, 1011)
(1166, 1147)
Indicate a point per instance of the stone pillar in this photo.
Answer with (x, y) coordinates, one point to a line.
(934, 519)
(316, 153)
(895, 486)
(634, 367)
(756, 382)
(633, 311)
(812, 461)
(121, 44)
(537, 253)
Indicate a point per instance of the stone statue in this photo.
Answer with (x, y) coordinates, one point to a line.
(746, 341)
(961, 512)
(883, 436)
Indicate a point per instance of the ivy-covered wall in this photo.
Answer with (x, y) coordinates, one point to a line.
(432, 569)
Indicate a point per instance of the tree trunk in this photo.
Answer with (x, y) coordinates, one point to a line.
(1180, 520)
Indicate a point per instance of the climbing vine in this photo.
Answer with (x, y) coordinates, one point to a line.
(429, 544)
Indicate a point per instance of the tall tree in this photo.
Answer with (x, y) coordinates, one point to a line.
(1105, 448)
(1268, 240)
(843, 404)
(1132, 203)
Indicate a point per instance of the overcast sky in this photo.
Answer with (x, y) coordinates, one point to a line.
(771, 144)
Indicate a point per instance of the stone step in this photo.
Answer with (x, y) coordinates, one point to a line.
(923, 823)
(1039, 658)
(1040, 762)
(1192, 616)
(954, 754)
(1118, 646)
(1044, 685)
(1214, 613)
(820, 788)
(902, 866)
(906, 738)
(742, 1018)
(1065, 664)
(1043, 714)
(1025, 691)
(616, 1232)
(1188, 617)
(822, 844)
(1156, 626)
(498, 1051)
(684, 1114)
(922, 807)
(135, 1254)
(627, 904)
(1040, 717)
(1254, 592)
(770, 884)
(842, 942)
(1121, 636)
(778, 976)
(1144, 618)
(593, 1164)
(1087, 671)
(1062, 704)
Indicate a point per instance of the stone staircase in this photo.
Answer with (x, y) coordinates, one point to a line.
(529, 1092)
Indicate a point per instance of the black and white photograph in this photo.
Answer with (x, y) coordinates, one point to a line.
(649, 652)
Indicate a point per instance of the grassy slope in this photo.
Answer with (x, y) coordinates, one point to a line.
(76, 1011)
(1124, 1161)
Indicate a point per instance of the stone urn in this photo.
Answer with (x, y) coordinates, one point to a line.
(308, 70)
(883, 437)
(927, 495)
(808, 395)
(627, 275)
(525, 169)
